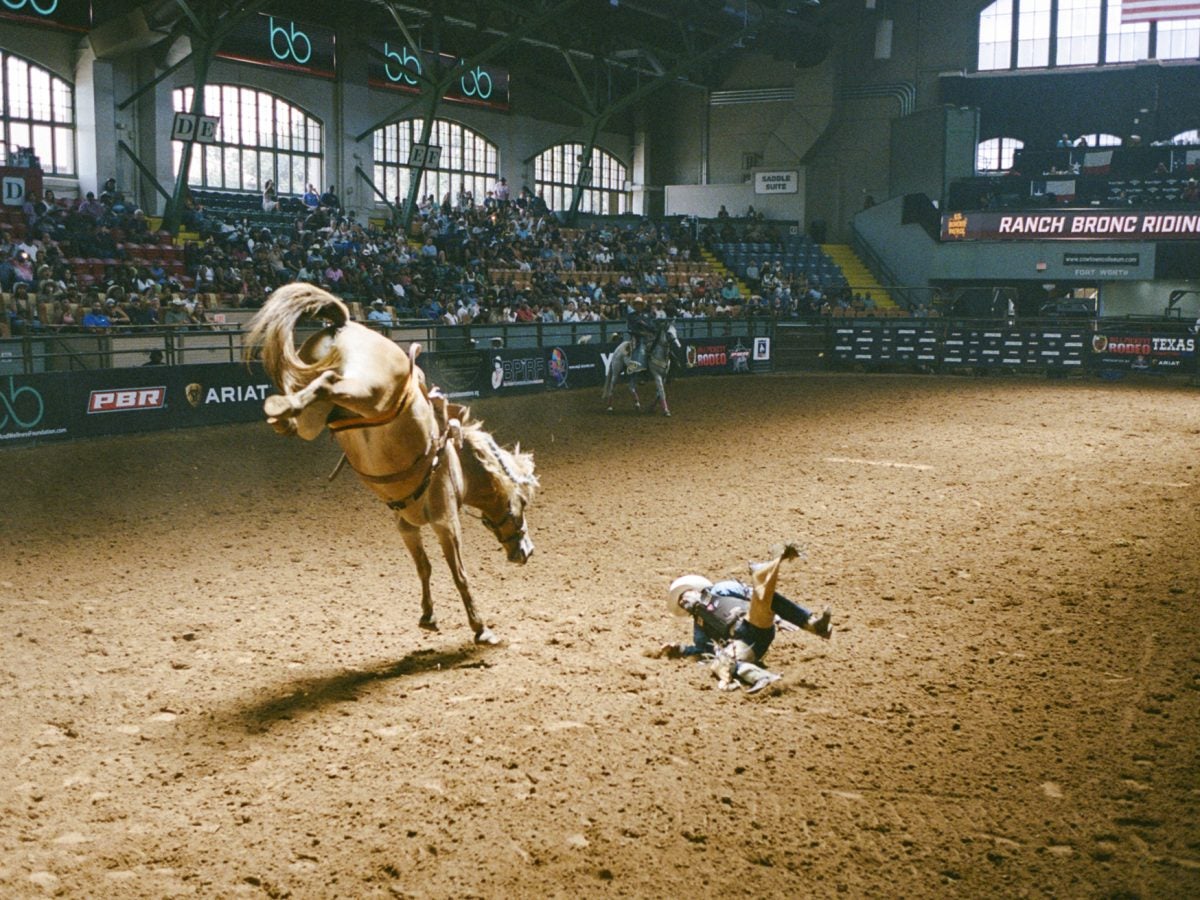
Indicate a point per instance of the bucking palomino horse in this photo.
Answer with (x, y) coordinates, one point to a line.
(661, 348)
(407, 443)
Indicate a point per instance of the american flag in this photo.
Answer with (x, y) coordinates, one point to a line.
(1157, 10)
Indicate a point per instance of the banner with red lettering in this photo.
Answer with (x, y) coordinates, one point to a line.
(1145, 352)
(1071, 225)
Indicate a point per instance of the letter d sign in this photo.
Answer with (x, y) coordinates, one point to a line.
(289, 43)
(14, 190)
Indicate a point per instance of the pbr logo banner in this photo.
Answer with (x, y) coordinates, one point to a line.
(1145, 352)
(121, 401)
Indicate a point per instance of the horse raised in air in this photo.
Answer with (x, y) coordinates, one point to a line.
(658, 363)
(415, 450)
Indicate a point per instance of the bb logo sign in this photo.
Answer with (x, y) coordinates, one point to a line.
(477, 83)
(41, 7)
(290, 43)
(124, 399)
(408, 65)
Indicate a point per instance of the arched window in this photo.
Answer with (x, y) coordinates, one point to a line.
(556, 172)
(1191, 136)
(261, 136)
(1100, 139)
(996, 154)
(38, 113)
(467, 160)
(1016, 34)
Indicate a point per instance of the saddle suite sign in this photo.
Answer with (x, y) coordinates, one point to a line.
(786, 182)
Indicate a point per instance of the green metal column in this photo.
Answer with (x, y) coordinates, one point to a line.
(585, 168)
(415, 175)
(174, 212)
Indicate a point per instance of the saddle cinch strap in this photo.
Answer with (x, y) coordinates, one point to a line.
(433, 450)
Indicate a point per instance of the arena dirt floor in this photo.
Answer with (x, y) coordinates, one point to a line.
(213, 684)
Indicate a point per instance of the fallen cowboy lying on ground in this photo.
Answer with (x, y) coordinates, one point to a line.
(734, 623)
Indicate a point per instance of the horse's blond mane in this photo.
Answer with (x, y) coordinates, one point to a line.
(273, 327)
(510, 468)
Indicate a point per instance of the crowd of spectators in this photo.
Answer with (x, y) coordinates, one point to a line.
(496, 261)
(42, 282)
(502, 260)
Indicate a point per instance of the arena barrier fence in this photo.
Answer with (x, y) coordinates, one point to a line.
(94, 396)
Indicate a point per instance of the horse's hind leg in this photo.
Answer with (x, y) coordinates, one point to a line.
(450, 537)
(661, 392)
(637, 401)
(412, 540)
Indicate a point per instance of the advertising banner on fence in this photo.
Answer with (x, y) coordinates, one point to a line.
(515, 371)
(717, 356)
(576, 365)
(883, 344)
(58, 405)
(1145, 352)
(1014, 347)
(215, 394)
(34, 407)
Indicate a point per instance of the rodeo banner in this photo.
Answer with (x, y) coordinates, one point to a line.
(1145, 352)
(721, 356)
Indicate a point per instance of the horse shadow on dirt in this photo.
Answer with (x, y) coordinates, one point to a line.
(310, 695)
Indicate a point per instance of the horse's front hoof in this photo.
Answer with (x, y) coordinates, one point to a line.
(277, 406)
(428, 623)
(487, 637)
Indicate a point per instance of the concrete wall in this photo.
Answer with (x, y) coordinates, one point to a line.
(906, 250)
(706, 200)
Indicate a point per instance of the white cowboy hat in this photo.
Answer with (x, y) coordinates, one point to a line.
(682, 584)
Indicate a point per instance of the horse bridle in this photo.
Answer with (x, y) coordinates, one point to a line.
(519, 530)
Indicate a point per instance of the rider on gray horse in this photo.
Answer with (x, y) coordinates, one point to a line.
(641, 332)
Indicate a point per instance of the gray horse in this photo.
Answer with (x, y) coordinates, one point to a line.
(658, 363)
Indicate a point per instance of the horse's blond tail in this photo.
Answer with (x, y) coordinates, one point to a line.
(272, 331)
